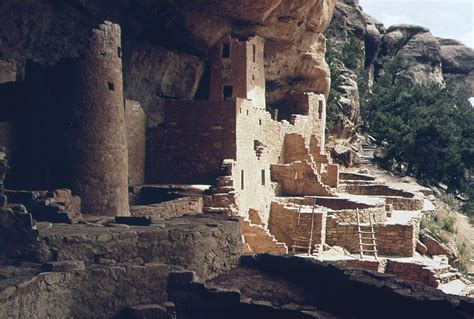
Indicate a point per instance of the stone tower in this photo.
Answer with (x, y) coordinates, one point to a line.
(90, 98)
(237, 70)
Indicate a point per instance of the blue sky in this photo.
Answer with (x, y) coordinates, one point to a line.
(452, 19)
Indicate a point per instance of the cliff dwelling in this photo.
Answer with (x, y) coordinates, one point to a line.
(141, 182)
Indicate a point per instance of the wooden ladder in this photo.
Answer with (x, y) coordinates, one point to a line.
(367, 240)
(298, 241)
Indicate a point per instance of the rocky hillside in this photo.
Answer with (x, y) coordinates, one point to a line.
(426, 58)
(166, 42)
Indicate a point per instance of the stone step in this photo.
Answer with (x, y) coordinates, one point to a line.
(447, 277)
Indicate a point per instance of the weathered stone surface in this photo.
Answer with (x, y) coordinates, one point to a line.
(456, 57)
(152, 311)
(64, 266)
(152, 72)
(247, 10)
(436, 247)
(82, 293)
(136, 138)
(337, 291)
(300, 67)
(58, 206)
(416, 47)
(187, 242)
(349, 91)
(344, 155)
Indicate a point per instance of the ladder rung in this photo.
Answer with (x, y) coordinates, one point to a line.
(369, 250)
(362, 244)
(365, 238)
(299, 247)
(366, 232)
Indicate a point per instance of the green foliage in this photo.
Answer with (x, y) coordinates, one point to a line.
(426, 130)
(464, 257)
(352, 54)
(468, 206)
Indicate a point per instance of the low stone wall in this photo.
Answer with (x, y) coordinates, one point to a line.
(283, 223)
(169, 209)
(96, 292)
(378, 214)
(402, 203)
(258, 240)
(412, 271)
(205, 244)
(334, 203)
(376, 190)
(392, 240)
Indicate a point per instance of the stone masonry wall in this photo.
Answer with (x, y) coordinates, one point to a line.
(392, 240)
(206, 244)
(88, 97)
(376, 190)
(169, 209)
(402, 203)
(411, 271)
(283, 223)
(378, 214)
(136, 138)
(192, 143)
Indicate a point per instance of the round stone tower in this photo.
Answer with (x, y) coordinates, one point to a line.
(95, 133)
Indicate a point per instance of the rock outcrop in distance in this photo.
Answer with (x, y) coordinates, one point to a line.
(428, 58)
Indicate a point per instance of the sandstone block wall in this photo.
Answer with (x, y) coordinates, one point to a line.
(170, 209)
(299, 179)
(392, 240)
(378, 214)
(402, 203)
(283, 223)
(412, 271)
(136, 138)
(241, 67)
(89, 143)
(376, 190)
(193, 142)
(258, 240)
(205, 244)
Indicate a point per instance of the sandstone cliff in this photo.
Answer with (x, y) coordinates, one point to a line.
(173, 37)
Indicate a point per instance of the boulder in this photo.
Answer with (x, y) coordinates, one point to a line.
(417, 48)
(436, 247)
(456, 57)
(343, 155)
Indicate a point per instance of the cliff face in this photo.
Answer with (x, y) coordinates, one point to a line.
(165, 43)
(426, 57)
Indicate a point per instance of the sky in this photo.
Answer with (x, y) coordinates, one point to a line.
(453, 19)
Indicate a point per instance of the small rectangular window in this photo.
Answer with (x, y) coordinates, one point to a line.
(226, 50)
(228, 92)
(263, 177)
(254, 52)
(320, 111)
(111, 86)
(242, 180)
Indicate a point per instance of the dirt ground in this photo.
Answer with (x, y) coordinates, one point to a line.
(465, 232)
